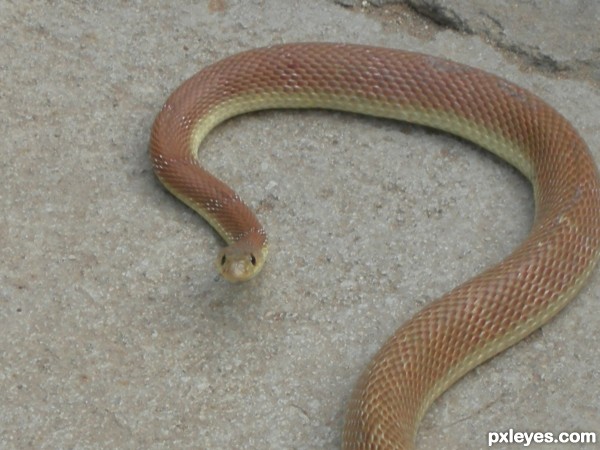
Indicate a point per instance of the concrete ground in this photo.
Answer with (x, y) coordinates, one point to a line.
(116, 331)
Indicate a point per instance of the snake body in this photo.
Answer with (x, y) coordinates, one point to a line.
(474, 321)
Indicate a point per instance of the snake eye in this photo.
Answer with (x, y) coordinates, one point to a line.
(223, 260)
(252, 259)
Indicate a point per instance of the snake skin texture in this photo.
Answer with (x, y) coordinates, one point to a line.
(477, 319)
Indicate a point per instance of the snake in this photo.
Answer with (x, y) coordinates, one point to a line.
(472, 322)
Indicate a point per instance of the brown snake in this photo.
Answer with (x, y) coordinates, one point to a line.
(474, 321)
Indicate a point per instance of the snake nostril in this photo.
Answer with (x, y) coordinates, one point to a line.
(223, 260)
(253, 259)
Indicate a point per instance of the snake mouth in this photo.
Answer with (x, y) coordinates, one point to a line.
(237, 264)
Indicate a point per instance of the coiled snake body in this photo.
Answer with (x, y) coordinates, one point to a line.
(477, 319)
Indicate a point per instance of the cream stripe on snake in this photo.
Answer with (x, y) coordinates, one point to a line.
(477, 319)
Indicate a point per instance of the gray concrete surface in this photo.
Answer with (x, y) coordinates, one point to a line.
(116, 332)
(557, 36)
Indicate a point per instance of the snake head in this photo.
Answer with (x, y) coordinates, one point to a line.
(239, 262)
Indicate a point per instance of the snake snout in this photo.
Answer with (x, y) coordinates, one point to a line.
(237, 264)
